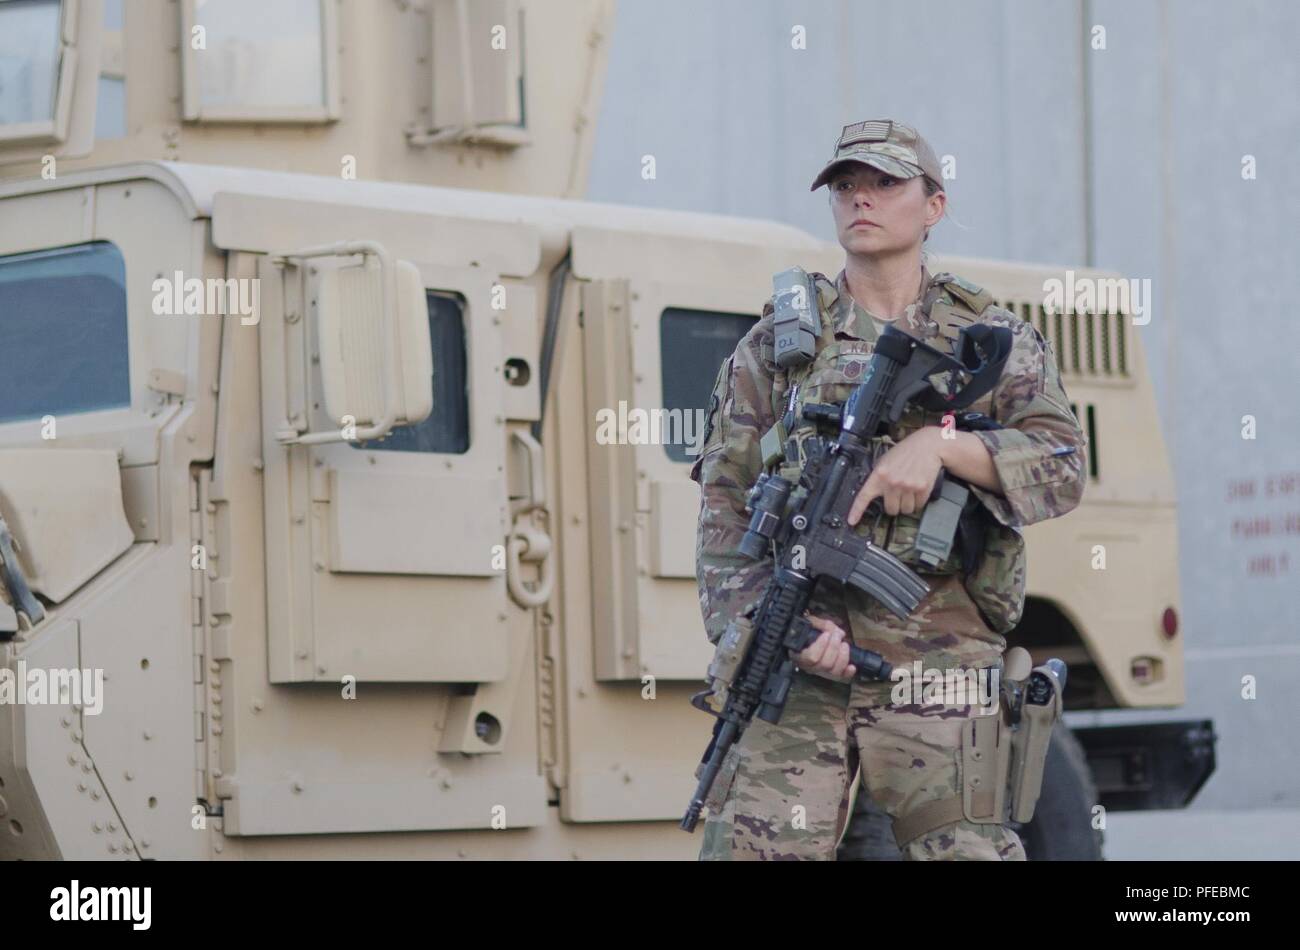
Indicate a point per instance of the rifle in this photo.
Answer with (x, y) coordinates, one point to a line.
(807, 529)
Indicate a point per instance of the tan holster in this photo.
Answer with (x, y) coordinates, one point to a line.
(1002, 758)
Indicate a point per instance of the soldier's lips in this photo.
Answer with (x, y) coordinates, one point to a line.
(862, 224)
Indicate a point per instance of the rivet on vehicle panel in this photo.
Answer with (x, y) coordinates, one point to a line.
(129, 776)
(582, 693)
(147, 735)
(76, 735)
(297, 787)
(214, 666)
(302, 654)
(112, 848)
(216, 697)
(445, 783)
(258, 465)
(298, 519)
(65, 721)
(319, 566)
(216, 730)
(627, 778)
(502, 617)
(319, 669)
(144, 842)
(112, 826)
(72, 760)
(257, 705)
(217, 847)
(215, 714)
(96, 827)
(81, 786)
(94, 795)
(85, 767)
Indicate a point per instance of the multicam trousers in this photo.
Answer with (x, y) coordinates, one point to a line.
(784, 790)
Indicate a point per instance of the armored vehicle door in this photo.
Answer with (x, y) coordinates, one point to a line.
(660, 314)
(386, 558)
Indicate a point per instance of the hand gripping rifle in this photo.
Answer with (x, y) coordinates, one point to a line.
(807, 524)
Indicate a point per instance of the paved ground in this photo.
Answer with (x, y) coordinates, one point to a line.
(1261, 835)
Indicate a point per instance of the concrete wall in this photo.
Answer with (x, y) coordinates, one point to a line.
(1128, 157)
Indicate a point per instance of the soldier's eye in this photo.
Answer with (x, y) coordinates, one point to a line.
(887, 180)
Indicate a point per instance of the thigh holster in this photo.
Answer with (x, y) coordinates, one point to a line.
(1002, 754)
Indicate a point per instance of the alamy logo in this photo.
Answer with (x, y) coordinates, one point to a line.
(240, 297)
(914, 686)
(38, 687)
(103, 903)
(1130, 297)
(651, 427)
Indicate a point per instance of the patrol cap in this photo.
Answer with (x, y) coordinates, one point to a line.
(890, 146)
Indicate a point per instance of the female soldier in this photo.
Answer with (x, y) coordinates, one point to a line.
(784, 790)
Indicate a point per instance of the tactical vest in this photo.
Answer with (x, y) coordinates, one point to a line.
(996, 584)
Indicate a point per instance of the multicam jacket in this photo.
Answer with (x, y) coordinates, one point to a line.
(963, 619)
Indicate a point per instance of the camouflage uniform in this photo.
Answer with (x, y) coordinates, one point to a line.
(784, 789)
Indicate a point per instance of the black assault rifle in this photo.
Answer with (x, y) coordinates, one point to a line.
(807, 524)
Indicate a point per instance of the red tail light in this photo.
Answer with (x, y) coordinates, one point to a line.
(1169, 622)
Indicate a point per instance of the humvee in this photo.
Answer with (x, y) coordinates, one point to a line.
(302, 468)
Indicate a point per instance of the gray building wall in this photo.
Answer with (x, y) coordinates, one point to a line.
(1128, 158)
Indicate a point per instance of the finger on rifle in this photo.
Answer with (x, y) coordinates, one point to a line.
(866, 494)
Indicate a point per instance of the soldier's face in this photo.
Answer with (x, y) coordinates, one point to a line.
(878, 214)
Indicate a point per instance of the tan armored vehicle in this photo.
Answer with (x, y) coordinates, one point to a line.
(324, 535)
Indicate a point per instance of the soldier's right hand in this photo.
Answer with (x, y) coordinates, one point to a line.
(828, 655)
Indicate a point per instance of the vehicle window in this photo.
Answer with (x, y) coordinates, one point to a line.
(261, 55)
(63, 332)
(29, 61)
(447, 427)
(692, 345)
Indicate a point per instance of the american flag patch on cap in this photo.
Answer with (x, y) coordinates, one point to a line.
(873, 130)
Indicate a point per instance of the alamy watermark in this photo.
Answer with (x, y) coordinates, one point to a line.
(237, 296)
(40, 687)
(1129, 296)
(636, 426)
(917, 686)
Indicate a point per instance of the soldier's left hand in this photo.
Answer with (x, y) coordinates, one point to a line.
(904, 477)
